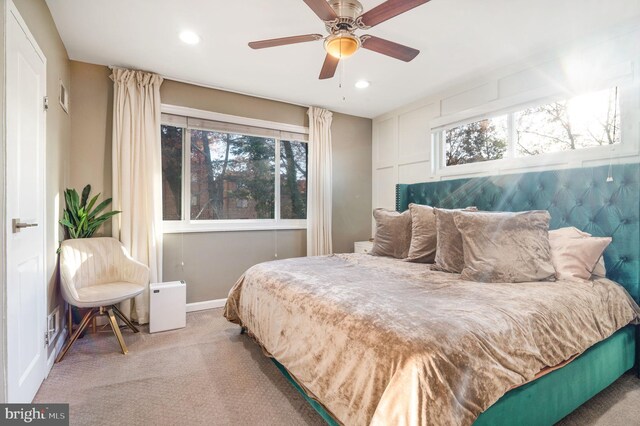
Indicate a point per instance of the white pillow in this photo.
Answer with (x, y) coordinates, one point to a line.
(577, 255)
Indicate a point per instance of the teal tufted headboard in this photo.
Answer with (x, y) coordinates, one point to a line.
(575, 197)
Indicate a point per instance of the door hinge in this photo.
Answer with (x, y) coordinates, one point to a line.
(46, 338)
(45, 103)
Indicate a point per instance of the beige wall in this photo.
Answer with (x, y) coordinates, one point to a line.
(38, 18)
(214, 260)
(351, 215)
(188, 95)
(91, 111)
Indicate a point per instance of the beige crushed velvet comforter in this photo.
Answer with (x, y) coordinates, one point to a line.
(384, 342)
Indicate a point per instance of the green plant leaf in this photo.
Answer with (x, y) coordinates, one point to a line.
(106, 216)
(65, 222)
(75, 199)
(100, 207)
(92, 202)
(67, 199)
(81, 220)
(85, 195)
(73, 216)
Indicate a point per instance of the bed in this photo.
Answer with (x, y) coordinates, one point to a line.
(394, 389)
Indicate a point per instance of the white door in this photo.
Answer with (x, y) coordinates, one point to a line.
(25, 145)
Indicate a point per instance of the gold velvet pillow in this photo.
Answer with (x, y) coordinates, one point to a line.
(449, 251)
(393, 233)
(423, 234)
(506, 247)
(576, 255)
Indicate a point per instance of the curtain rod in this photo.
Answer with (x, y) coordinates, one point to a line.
(209, 86)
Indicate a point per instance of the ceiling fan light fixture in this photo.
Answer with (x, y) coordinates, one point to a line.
(189, 37)
(342, 45)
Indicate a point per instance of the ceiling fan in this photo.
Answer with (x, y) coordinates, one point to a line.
(342, 18)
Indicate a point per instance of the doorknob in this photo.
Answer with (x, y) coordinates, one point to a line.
(17, 225)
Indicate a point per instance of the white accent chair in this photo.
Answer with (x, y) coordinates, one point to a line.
(98, 273)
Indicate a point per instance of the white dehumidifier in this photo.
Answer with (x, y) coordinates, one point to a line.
(167, 306)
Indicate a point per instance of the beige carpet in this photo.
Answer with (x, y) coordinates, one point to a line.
(209, 374)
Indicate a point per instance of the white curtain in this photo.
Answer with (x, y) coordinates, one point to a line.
(319, 186)
(137, 171)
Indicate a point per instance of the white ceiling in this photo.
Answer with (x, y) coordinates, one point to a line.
(457, 39)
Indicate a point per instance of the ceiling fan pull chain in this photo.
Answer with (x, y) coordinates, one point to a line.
(342, 72)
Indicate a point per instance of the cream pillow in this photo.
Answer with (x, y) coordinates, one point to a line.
(393, 233)
(600, 270)
(576, 254)
(568, 232)
(423, 234)
(505, 247)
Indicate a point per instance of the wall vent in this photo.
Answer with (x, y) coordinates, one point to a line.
(53, 325)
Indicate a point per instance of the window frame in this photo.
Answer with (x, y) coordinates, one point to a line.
(511, 162)
(187, 225)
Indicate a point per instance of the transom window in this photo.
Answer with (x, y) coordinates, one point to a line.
(226, 176)
(581, 122)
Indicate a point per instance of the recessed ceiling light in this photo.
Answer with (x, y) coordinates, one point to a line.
(362, 84)
(189, 37)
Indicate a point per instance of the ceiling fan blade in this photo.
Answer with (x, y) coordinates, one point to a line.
(389, 48)
(388, 10)
(329, 67)
(322, 9)
(284, 41)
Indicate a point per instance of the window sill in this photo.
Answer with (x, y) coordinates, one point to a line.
(179, 227)
(545, 161)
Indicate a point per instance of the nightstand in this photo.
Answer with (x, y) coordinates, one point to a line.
(362, 246)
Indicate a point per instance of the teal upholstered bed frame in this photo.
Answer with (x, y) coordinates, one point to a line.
(584, 198)
(575, 197)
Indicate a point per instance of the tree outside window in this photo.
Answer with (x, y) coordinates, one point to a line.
(233, 176)
(580, 122)
(478, 141)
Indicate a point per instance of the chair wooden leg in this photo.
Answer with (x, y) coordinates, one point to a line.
(83, 324)
(69, 319)
(125, 319)
(116, 330)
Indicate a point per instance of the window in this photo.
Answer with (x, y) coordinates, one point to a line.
(172, 143)
(478, 141)
(227, 169)
(293, 179)
(581, 122)
(218, 175)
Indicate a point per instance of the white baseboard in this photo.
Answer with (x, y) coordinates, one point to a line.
(207, 304)
(62, 338)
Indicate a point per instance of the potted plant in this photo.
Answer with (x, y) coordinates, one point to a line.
(81, 219)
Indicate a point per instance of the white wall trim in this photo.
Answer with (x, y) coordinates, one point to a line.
(185, 226)
(235, 119)
(507, 68)
(541, 78)
(206, 304)
(62, 338)
(3, 237)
